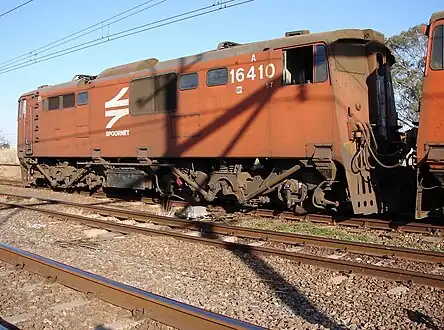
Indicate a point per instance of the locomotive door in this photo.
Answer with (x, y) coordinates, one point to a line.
(301, 113)
(28, 110)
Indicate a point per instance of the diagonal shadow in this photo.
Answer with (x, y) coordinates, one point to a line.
(286, 292)
(421, 318)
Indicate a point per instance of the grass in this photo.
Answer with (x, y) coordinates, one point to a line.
(315, 230)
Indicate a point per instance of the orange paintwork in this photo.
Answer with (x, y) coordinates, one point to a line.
(431, 124)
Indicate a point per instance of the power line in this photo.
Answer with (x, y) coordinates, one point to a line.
(28, 56)
(132, 31)
(15, 8)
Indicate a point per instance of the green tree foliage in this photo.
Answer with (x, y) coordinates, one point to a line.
(409, 48)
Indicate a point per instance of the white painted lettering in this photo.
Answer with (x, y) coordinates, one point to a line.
(238, 76)
(125, 132)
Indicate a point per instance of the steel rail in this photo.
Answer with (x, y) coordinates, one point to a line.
(338, 265)
(245, 232)
(377, 224)
(142, 303)
(413, 227)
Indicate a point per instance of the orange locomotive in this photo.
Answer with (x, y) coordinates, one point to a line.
(430, 142)
(299, 120)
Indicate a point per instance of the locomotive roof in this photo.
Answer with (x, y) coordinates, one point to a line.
(436, 16)
(152, 65)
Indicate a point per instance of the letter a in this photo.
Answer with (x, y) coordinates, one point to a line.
(253, 58)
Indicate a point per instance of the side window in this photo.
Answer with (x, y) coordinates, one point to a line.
(45, 104)
(217, 77)
(53, 103)
(82, 98)
(154, 94)
(188, 81)
(304, 65)
(321, 67)
(437, 54)
(68, 100)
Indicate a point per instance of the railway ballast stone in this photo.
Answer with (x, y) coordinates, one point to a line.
(195, 212)
(338, 279)
(110, 235)
(397, 291)
(95, 232)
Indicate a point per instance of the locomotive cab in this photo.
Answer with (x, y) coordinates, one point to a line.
(430, 143)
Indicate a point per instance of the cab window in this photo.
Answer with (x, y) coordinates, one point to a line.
(304, 65)
(437, 54)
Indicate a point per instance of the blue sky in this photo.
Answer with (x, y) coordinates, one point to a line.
(44, 21)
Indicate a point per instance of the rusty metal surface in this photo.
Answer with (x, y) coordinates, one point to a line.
(339, 265)
(140, 302)
(275, 236)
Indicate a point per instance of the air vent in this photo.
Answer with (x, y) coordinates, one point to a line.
(297, 33)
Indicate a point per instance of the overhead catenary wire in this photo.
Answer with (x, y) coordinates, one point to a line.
(15, 8)
(132, 31)
(81, 33)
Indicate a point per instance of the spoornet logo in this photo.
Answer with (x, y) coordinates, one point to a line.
(117, 114)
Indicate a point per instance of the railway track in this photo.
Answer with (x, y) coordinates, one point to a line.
(244, 232)
(338, 265)
(361, 222)
(141, 303)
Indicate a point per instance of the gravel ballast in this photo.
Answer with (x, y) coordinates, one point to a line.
(268, 291)
(29, 302)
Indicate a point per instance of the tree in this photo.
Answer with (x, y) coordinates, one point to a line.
(409, 48)
(4, 143)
